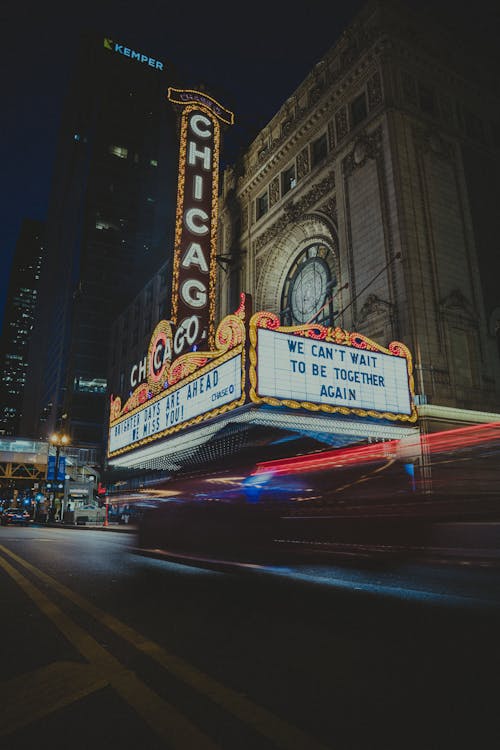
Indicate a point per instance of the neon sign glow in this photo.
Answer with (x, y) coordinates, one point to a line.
(194, 271)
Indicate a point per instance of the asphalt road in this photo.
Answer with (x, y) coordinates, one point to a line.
(102, 648)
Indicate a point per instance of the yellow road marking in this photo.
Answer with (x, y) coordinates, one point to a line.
(163, 718)
(284, 735)
(44, 691)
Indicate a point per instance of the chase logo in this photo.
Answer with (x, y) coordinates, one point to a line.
(112, 46)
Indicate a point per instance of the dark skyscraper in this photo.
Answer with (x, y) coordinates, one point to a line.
(110, 227)
(18, 323)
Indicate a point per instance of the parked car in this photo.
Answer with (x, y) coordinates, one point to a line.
(15, 516)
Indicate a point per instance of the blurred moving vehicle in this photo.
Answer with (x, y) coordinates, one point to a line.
(438, 491)
(16, 516)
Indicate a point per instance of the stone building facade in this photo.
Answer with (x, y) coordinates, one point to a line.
(356, 206)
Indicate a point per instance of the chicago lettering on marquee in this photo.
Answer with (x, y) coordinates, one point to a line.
(194, 272)
(177, 394)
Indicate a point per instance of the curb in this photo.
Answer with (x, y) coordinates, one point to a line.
(127, 529)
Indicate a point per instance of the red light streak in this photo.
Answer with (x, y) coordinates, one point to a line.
(330, 459)
(438, 442)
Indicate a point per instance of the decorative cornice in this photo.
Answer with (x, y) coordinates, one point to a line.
(292, 210)
(303, 120)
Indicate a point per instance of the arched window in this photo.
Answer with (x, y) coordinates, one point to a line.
(309, 287)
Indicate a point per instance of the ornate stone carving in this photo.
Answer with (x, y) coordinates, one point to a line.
(374, 91)
(331, 136)
(263, 152)
(244, 217)
(274, 191)
(456, 306)
(292, 210)
(341, 123)
(259, 262)
(315, 94)
(303, 163)
(329, 208)
(374, 306)
(366, 147)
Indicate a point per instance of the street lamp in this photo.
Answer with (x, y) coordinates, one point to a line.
(58, 440)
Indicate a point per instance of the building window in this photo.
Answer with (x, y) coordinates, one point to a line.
(308, 293)
(358, 110)
(90, 385)
(262, 205)
(319, 149)
(104, 224)
(120, 151)
(288, 179)
(426, 99)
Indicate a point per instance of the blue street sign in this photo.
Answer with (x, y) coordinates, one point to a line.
(51, 467)
(61, 468)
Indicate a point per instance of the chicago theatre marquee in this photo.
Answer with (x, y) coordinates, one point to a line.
(207, 391)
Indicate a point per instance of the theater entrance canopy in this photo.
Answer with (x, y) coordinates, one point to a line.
(262, 390)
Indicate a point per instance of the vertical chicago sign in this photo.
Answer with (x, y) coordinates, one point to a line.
(194, 272)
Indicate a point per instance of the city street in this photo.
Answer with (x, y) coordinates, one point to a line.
(103, 648)
(250, 377)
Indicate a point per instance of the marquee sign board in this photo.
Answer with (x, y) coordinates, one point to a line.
(186, 391)
(329, 370)
(309, 367)
(202, 396)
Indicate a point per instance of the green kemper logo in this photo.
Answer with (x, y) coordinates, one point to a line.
(127, 52)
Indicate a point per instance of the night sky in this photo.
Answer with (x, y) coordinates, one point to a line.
(252, 56)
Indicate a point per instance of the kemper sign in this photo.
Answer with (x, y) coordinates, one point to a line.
(194, 272)
(140, 57)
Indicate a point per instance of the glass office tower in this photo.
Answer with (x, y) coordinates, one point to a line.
(110, 227)
(18, 322)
